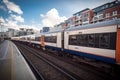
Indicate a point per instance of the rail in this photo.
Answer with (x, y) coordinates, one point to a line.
(35, 71)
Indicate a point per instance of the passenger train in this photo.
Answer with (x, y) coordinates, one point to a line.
(99, 41)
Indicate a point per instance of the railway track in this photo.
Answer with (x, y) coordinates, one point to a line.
(35, 71)
(62, 75)
(78, 75)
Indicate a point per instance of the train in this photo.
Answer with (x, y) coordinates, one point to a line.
(99, 41)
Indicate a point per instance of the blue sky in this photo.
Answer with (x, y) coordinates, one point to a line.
(39, 13)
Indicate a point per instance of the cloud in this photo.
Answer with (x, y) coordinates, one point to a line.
(2, 20)
(11, 24)
(12, 7)
(17, 18)
(3, 8)
(51, 18)
(12, 21)
(13, 18)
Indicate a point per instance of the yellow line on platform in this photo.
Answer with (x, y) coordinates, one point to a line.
(12, 63)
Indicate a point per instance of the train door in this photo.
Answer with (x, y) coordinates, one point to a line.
(118, 46)
(62, 40)
(42, 41)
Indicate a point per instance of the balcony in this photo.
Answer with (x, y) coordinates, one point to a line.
(98, 18)
(78, 23)
(78, 18)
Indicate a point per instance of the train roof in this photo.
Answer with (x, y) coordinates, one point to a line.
(55, 31)
(105, 23)
(37, 35)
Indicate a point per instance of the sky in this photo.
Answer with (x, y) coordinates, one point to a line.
(40, 13)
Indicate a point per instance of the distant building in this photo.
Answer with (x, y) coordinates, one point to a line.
(12, 32)
(46, 29)
(29, 31)
(3, 35)
(22, 32)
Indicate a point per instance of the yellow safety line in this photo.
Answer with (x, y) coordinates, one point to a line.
(12, 64)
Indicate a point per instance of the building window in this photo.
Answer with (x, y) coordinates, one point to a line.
(114, 13)
(86, 15)
(100, 17)
(107, 15)
(106, 6)
(85, 19)
(114, 18)
(107, 19)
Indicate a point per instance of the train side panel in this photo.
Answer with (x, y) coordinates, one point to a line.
(104, 54)
(55, 43)
(59, 40)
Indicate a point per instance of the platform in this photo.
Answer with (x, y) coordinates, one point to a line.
(12, 64)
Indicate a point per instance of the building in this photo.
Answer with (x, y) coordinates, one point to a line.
(83, 17)
(3, 35)
(29, 31)
(22, 32)
(12, 32)
(70, 22)
(45, 29)
(103, 12)
(106, 11)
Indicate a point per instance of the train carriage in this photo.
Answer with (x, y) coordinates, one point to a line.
(37, 40)
(98, 41)
(53, 40)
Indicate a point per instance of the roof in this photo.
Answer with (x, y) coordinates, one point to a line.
(105, 23)
(109, 5)
(81, 11)
(55, 31)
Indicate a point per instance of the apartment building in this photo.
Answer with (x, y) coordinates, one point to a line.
(82, 17)
(107, 11)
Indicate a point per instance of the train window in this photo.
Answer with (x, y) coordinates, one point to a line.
(113, 40)
(91, 40)
(97, 40)
(82, 39)
(52, 39)
(37, 39)
(104, 40)
(28, 38)
(73, 40)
